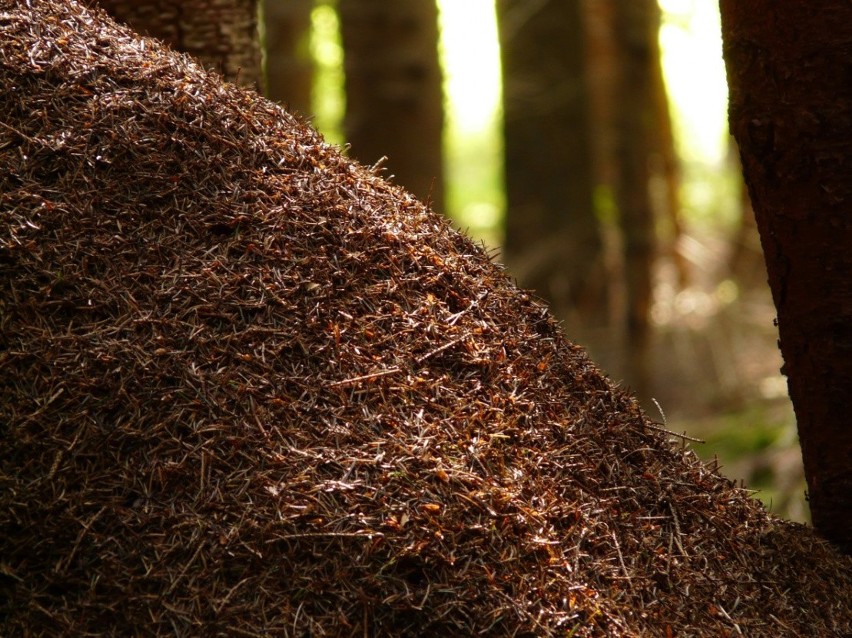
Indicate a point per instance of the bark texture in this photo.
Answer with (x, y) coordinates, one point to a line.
(790, 80)
(552, 237)
(394, 90)
(221, 34)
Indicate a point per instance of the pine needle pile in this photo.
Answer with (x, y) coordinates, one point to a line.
(250, 388)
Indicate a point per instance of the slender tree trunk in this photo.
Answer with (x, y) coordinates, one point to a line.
(394, 90)
(553, 242)
(221, 34)
(636, 27)
(289, 66)
(791, 112)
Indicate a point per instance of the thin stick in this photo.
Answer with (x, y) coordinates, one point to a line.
(621, 558)
(366, 377)
(659, 429)
(681, 436)
(436, 351)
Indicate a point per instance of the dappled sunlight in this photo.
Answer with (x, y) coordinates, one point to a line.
(691, 306)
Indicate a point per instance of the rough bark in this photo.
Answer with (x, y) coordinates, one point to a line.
(553, 242)
(221, 34)
(289, 66)
(791, 113)
(636, 26)
(394, 91)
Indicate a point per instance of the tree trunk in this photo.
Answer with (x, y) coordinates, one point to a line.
(791, 113)
(394, 91)
(289, 66)
(553, 242)
(220, 34)
(636, 29)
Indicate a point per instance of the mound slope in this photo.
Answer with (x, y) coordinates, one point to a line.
(248, 387)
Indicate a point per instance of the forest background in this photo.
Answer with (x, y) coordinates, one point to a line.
(667, 288)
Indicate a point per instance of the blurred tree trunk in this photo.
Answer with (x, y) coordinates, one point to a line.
(791, 113)
(289, 65)
(221, 34)
(636, 26)
(553, 242)
(394, 90)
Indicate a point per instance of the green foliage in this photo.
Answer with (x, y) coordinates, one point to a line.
(745, 432)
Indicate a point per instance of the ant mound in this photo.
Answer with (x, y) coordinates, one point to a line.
(248, 387)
